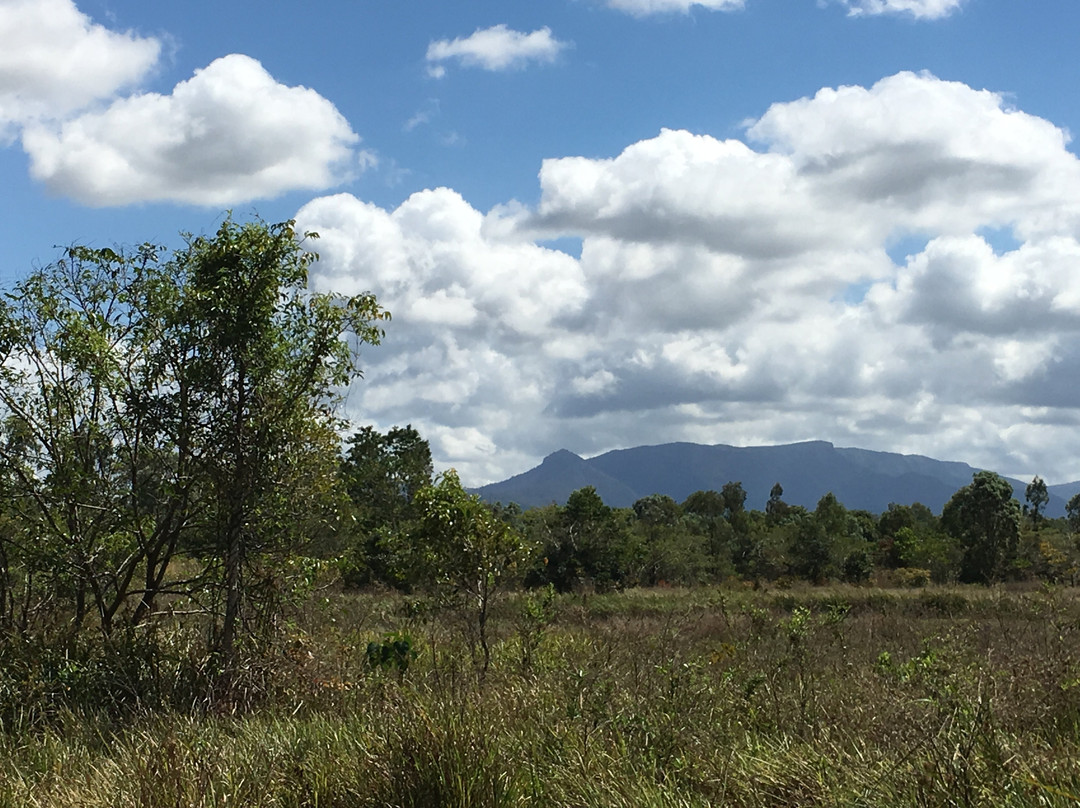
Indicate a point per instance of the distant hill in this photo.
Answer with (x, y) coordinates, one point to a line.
(859, 478)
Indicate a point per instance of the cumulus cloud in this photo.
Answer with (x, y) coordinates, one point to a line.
(743, 292)
(643, 8)
(497, 48)
(229, 134)
(919, 9)
(54, 60)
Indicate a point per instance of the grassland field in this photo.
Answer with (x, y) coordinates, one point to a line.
(831, 696)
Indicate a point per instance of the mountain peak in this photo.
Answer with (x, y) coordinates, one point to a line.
(561, 457)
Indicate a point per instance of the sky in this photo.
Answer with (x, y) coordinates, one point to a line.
(606, 223)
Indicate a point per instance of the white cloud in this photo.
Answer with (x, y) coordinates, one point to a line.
(937, 156)
(919, 9)
(54, 59)
(229, 134)
(643, 8)
(423, 116)
(495, 49)
(743, 295)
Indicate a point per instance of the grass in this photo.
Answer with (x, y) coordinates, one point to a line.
(806, 696)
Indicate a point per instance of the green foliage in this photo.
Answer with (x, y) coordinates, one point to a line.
(394, 652)
(95, 465)
(1072, 513)
(985, 519)
(1037, 497)
(157, 405)
(583, 543)
(463, 554)
(535, 615)
(734, 498)
(706, 505)
(816, 538)
(762, 553)
(267, 361)
(857, 567)
(776, 508)
(913, 577)
(705, 515)
(382, 475)
(657, 510)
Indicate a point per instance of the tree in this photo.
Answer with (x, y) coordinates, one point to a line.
(734, 497)
(910, 535)
(705, 515)
(668, 550)
(657, 510)
(832, 516)
(776, 508)
(265, 361)
(152, 404)
(586, 543)
(985, 519)
(463, 553)
(815, 539)
(382, 475)
(1037, 497)
(95, 446)
(1072, 512)
(705, 505)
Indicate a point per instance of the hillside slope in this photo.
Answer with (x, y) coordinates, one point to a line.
(859, 478)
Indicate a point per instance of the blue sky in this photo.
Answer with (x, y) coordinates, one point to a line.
(605, 223)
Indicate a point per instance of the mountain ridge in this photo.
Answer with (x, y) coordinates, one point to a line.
(860, 478)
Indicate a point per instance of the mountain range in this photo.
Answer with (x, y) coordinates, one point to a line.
(860, 479)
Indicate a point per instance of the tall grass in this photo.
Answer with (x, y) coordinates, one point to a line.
(843, 696)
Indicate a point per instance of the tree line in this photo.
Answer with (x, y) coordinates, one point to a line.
(983, 535)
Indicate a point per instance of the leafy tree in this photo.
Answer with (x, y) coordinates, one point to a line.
(857, 566)
(1037, 497)
(669, 550)
(985, 519)
(705, 504)
(922, 526)
(658, 510)
(464, 553)
(382, 475)
(776, 508)
(96, 448)
(832, 516)
(1072, 512)
(153, 404)
(927, 549)
(862, 525)
(811, 549)
(704, 515)
(762, 553)
(586, 543)
(265, 359)
(734, 499)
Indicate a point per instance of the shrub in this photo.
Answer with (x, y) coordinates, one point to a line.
(913, 577)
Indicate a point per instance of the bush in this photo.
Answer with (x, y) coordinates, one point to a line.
(913, 577)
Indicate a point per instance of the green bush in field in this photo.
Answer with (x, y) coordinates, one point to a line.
(393, 653)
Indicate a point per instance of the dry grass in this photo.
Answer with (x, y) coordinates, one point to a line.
(841, 696)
